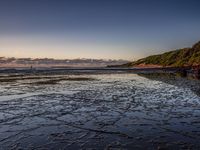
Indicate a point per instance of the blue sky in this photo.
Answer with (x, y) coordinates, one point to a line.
(126, 29)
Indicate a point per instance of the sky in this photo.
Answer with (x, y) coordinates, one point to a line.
(108, 29)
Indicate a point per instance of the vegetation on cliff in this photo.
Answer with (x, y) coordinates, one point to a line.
(176, 58)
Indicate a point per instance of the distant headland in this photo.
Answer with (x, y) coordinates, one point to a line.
(185, 57)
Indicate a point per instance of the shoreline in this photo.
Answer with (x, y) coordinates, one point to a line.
(181, 71)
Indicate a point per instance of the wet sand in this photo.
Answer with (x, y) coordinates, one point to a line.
(97, 111)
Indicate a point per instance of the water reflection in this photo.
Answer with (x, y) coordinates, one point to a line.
(175, 79)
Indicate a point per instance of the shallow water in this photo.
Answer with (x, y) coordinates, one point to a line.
(110, 111)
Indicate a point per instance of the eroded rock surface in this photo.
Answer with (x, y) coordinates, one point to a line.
(122, 111)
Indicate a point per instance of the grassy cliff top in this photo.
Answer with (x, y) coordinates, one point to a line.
(175, 58)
